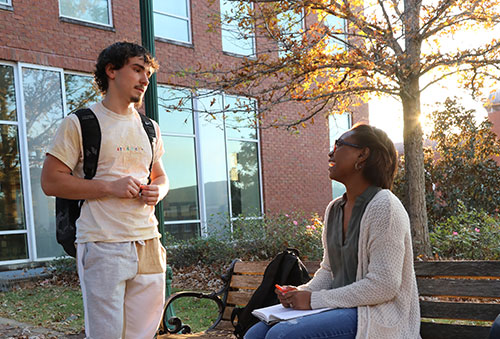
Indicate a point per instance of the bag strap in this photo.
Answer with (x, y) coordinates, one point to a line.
(91, 140)
(148, 126)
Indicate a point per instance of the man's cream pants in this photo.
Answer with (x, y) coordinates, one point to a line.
(118, 302)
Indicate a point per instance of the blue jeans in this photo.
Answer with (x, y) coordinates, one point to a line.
(495, 329)
(339, 324)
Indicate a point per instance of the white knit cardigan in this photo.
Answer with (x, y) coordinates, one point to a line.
(385, 290)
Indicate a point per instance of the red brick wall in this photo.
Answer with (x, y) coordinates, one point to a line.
(295, 167)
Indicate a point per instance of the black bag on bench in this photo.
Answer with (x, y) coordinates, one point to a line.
(285, 269)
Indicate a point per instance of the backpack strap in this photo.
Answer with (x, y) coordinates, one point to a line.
(91, 140)
(148, 126)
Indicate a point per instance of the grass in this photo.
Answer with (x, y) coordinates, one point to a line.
(60, 308)
(199, 314)
(56, 307)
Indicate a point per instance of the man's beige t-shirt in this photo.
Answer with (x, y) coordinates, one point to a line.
(125, 151)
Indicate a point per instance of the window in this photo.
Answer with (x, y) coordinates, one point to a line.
(235, 39)
(92, 11)
(13, 232)
(27, 223)
(171, 20)
(211, 158)
(338, 124)
(336, 27)
(5, 4)
(180, 206)
(292, 26)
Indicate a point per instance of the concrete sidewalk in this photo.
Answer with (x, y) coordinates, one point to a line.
(11, 329)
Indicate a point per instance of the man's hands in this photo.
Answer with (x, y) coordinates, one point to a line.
(292, 297)
(131, 188)
(150, 194)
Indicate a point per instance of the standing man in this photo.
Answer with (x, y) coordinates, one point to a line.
(121, 262)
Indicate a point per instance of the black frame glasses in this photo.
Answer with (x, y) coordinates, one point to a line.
(341, 142)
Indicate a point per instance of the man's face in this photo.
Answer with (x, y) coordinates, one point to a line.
(132, 79)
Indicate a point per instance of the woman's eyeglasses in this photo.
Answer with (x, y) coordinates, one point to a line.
(340, 142)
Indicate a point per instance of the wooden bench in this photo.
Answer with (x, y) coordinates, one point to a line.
(451, 292)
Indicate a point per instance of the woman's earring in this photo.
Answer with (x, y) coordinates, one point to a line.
(357, 166)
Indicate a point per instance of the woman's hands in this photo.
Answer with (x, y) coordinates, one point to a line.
(291, 297)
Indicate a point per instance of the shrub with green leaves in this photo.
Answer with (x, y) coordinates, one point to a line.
(470, 234)
(251, 239)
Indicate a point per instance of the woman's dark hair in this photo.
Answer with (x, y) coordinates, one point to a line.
(117, 55)
(382, 163)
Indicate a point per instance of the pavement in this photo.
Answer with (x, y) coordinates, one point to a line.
(11, 329)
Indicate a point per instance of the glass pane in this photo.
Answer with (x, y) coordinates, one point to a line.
(240, 117)
(338, 124)
(183, 231)
(86, 10)
(291, 25)
(213, 158)
(181, 202)
(171, 28)
(44, 111)
(175, 7)
(80, 91)
(243, 167)
(8, 110)
(11, 197)
(235, 39)
(175, 110)
(13, 247)
(335, 23)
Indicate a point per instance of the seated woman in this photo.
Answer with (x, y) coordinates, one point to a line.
(366, 275)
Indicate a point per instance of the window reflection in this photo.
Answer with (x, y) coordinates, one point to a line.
(44, 112)
(13, 247)
(11, 197)
(181, 202)
(96, 11)
(235, 38)
(171, 20)
(80, 91)
(244, 178)
(240, 117)
(176, 110)
(183, 231)
(8, 110)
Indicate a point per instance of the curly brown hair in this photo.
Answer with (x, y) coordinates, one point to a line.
(117, 55)
(381, 166)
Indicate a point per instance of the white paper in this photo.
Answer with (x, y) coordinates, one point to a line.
(278, 313)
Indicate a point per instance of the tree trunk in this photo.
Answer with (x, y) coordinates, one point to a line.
(414, 172)
(412, 133)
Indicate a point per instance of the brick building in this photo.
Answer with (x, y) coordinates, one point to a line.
(47, 54)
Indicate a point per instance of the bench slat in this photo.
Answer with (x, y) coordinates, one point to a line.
(459, 287)
(239, 298)
(440, 331)
(250, 267)
(459, 310)
(246, 281)
(476, 268)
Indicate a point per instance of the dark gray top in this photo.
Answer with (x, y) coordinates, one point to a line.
(343, 255)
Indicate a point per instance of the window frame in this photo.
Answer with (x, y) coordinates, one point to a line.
(203, 216)
(7, 5)
(189, 23)
(87, 22)
(255, 140)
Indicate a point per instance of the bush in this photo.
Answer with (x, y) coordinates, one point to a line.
(470, 234)
(251, 239)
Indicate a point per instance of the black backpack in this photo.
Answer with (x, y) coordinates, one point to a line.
(285, 269)
(67, 210)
